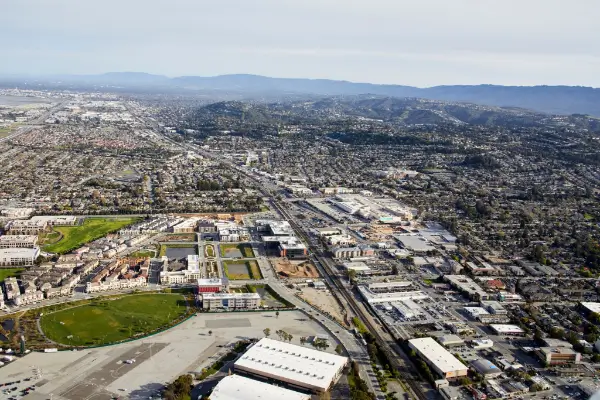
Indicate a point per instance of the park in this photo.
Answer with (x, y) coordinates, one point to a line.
(242, 270)
(237, 250)
(108, 321)
(67, 238)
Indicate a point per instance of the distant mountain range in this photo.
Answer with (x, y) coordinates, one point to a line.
(548, 99)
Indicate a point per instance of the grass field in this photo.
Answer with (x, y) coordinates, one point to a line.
(242, 270)
(143, 253)
(8, 272)
(113, 320)
(234, 250)
(91, 229)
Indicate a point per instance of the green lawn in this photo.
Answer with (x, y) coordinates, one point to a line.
(228, 250)
(113, 320)
(90, 230)
(242, 270)
(143, 253)
(8, 272)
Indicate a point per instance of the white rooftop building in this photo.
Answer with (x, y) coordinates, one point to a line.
(297, 366)
(15, 241)
(20, 256)
(236, 387)
(440, 359)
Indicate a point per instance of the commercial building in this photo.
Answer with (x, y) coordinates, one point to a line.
(374, 298)
(558, 355)
(19, 256)
(296, 366)
(286, 246)
(269, 227)
(16, 241)
(468, 287)
(212, 285)
(590, 307)
(479, 344)
(482, 315)
(450, 340)
(414, 243)
(486, 368)
(236, 387)
(438, 358)
(507, 330)
(211, 301)
(187, 226)
(357, 266)
(387, 287)
(189, 275)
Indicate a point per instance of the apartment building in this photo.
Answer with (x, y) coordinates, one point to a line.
(211, 301)
(18, 256)
(18, 241)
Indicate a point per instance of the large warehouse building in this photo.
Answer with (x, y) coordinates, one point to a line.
(438, 358)
(295, 366)
(236, 387)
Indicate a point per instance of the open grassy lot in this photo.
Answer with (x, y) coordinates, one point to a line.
(240, 270)
(107, 321)
(8, 272)
(241, 250)
(91, 229)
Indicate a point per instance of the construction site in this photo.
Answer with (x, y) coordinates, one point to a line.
(294, 268)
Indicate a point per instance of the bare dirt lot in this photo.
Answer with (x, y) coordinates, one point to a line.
(324, 301)
(295, 269)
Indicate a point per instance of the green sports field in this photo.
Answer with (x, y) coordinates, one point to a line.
(90, 230)
(108, 321)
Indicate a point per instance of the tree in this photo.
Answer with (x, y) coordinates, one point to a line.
(277, 314)
(338, 349)
(302, 340)
(267, 332)
(209, 333)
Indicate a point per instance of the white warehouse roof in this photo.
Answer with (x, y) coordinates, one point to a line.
(437, 355)
(301, 366)
(591, 306)
(235, 387)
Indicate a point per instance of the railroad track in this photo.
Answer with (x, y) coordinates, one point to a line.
(410, 376)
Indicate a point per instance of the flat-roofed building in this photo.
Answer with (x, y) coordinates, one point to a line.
(16, 241)
(296, 366)
(417, 244)
(236, 387)
(486, 368)
(211, 301)
(212, 285)
(558, 355)
(19, 256)
(467, 286)
(375, 298)
(57, 220)
(386, 287)
(26, 227)
(438, 358)
(508, 330)
(450, 340)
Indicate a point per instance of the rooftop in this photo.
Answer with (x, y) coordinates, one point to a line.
(292, 363)
(437, 355)
(235, 387)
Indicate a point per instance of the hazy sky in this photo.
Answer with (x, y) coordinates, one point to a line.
(416, 42)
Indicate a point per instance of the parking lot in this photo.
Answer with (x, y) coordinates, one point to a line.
(103, 373)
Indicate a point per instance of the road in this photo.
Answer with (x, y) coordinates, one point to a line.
(32, 124)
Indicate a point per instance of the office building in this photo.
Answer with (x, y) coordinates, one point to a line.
(558, 355)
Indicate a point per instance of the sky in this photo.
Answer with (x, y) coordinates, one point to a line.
(418, 42)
